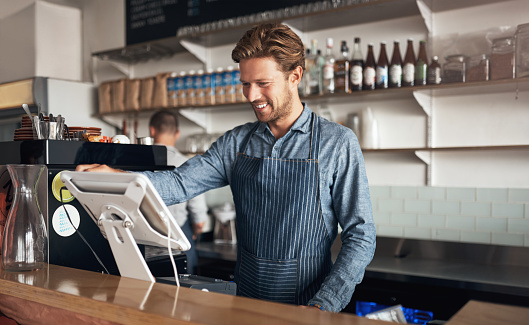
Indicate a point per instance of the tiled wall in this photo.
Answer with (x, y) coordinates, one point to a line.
(474, 215)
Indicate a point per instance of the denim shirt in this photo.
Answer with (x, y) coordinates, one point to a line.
(343, 186)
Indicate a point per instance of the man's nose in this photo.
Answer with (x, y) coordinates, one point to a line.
(252, 93)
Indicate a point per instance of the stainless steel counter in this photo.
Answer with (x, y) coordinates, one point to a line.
(490, 268)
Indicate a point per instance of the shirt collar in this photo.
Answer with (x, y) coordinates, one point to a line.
(302, 124)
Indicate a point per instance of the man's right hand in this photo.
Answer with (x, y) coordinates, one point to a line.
(97, 168)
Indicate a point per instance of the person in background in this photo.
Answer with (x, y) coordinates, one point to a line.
(294, 177)
(191, 216)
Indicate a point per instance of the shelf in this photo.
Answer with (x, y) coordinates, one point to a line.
(453, 89)
(439, 149)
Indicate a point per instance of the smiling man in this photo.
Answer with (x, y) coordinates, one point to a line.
(294, 177)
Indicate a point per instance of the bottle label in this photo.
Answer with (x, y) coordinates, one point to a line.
(381, 75)
(434, 76)
(395, 74)
(408, 73)
(328, 71)
(369, 76)
(356, 75)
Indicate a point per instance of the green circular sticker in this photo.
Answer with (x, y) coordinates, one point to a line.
(56, 186)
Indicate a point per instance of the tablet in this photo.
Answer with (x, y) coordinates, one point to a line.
(129, 197)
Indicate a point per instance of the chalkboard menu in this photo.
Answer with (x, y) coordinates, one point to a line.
(149, 20)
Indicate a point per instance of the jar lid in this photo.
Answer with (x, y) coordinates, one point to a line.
(503, 41)
(456, 58)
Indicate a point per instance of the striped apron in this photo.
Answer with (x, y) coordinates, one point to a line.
(283, 251)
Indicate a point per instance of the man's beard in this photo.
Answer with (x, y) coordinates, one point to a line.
(277, 113)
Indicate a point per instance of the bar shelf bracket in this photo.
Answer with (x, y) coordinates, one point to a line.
(198, 50)
(197, 116)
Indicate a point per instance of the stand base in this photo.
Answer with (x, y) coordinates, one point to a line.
(202, 283)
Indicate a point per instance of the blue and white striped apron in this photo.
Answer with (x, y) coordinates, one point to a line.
(283, 249)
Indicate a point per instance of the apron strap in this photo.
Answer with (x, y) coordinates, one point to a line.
(315, 138)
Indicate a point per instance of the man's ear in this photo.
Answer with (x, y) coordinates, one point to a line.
(152, 131)
(295, 76)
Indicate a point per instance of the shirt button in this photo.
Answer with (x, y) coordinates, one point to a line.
(276, 148)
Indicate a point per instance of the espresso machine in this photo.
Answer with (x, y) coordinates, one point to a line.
(67, 246)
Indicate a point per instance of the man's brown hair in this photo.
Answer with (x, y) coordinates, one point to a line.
(164, 121)
(277, 41)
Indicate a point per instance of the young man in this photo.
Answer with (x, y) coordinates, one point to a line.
(191, 216)
(294, 177)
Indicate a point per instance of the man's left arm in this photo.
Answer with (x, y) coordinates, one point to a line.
(351, 204)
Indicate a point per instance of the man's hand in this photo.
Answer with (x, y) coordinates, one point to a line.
(97, 168)
(197, 229)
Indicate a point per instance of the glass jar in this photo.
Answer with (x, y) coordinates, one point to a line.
(522, 51)
(454, 68)
(477, 68)
(502, 58)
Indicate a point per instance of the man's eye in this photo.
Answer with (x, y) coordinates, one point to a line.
(246, 84)
(263, 84)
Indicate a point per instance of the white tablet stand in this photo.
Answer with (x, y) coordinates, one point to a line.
(128, 211)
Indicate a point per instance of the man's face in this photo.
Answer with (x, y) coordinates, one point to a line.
(267, 89)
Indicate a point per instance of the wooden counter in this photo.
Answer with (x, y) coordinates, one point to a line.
(61, 294)
(106, 299)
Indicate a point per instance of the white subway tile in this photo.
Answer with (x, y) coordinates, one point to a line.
(511, 210)
(432, 193)
(418, 233)
(374, 204)
(404, 192)
(498, 225)
(390, 231)
(420, 206)
(476, 237)
(445, 207)
(526, 212)
(508, 239)
(518, 226)
(445, 234)
(391, 205)
(480, 209)
(404, 219)
(526, 240)
(460, 194)
(382, 218)
(518, 195)
(461, 222)
(431, 221)
(379, 191)
(492, 194)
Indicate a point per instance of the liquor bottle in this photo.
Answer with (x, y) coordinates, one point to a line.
(421, 66)
(434, 72)
(328, 69)
(304, 85)
(381, 78)
(314, 71)
(369, 69)
(395, 67)
(341, 70)
(357, 66)
(320, 62)
(408, 66)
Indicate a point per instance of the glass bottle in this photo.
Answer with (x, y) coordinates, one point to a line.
(304, 85)
(328, 69)
(408, 66)
(434, 72)
(320, 62)
(341, 70)
(369, 69)
(421, 65)
(25, 239)
(381, 77)
(313, 70)
(357, 66)
(395, 67)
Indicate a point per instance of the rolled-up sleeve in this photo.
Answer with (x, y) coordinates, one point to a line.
(351, 208)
